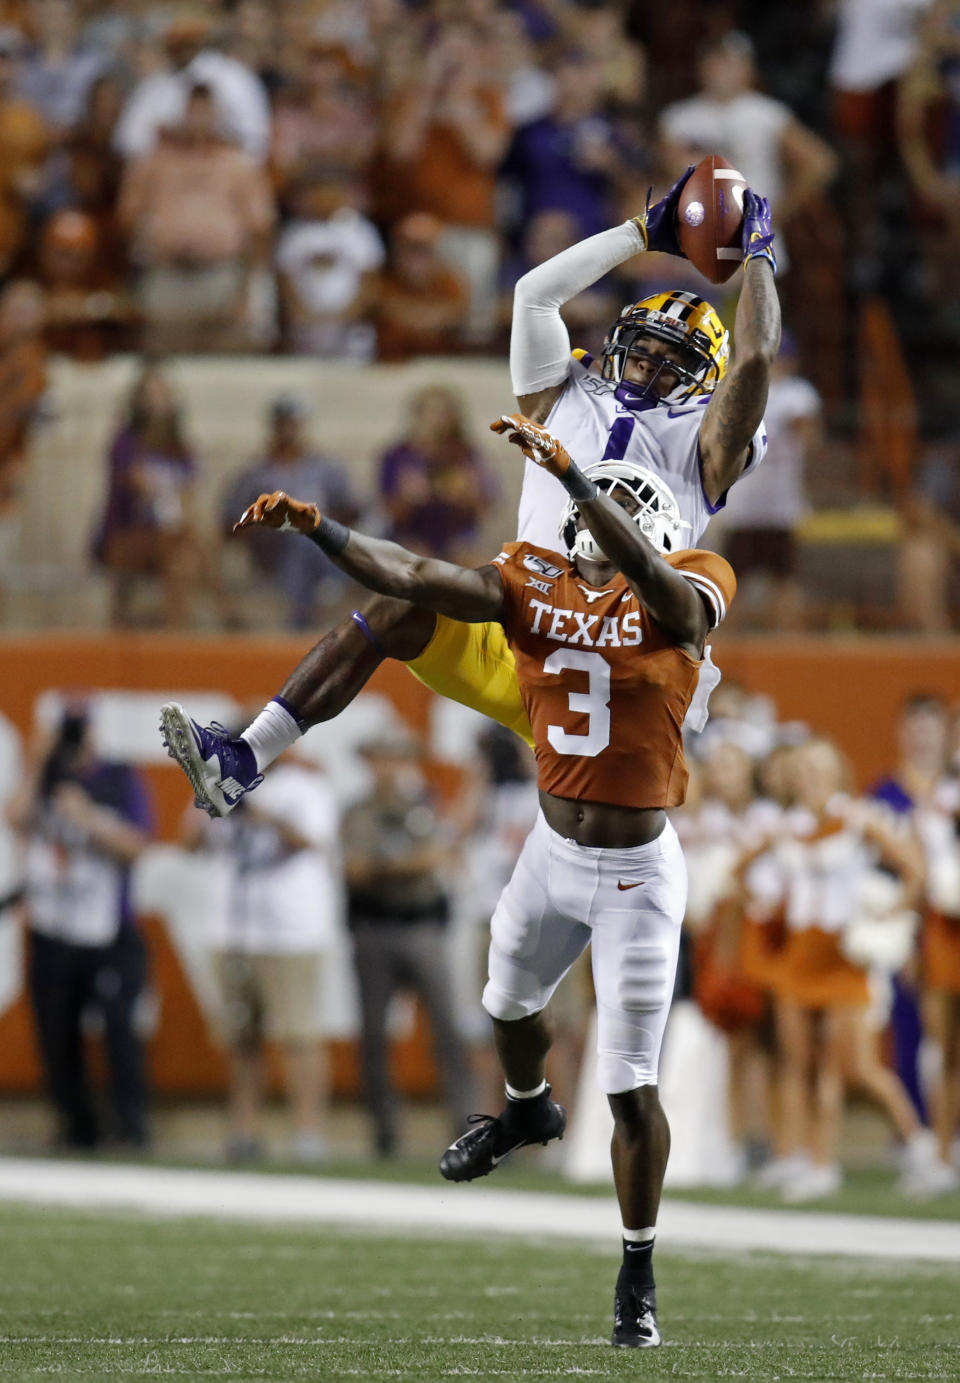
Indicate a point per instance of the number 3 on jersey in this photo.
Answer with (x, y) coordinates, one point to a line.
(594, 703)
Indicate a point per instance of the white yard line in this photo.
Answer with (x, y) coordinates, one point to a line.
(471, 1210)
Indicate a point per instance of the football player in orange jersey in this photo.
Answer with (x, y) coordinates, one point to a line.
(665, 396)
(608, 640)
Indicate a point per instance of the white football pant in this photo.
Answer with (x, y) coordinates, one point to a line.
(629, 905)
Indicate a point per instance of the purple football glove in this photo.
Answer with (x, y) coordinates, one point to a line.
(757, 230)
(658, 224)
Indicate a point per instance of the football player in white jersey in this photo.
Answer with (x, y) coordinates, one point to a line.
(665, 394)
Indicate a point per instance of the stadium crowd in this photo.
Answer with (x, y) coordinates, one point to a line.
(366, 182)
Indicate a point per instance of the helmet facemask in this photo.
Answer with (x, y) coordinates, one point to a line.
(698, 366)
(657, 514)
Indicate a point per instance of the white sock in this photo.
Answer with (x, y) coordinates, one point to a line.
(524, 1094)
(273, 731)
(640, 1236)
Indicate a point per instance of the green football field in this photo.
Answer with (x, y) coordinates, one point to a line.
(106, 1296)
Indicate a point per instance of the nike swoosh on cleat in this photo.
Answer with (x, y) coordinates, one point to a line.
(622, 887)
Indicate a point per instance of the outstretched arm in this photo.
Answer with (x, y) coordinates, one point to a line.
(465, 593)
(667, 595)
(539, 344)
(736, 409)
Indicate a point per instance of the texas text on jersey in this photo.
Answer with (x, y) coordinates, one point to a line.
(617, 737)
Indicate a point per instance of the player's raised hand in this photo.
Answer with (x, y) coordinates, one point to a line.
(658, 223)
(535, 442)
(757, 229)
(278, 510)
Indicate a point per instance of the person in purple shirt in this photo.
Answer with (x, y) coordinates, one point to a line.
(922, 735)
(145, 528)
(83, 821)
(434, 484)
(289, 462)
(568, 159)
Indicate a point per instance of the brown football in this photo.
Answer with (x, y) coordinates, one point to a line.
(710, 218)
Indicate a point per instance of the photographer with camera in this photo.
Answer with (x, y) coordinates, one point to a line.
(83, 822)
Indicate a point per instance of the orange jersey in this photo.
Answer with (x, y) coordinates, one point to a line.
(605, 690)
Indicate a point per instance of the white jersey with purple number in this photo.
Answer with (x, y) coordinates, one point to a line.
(594, 425)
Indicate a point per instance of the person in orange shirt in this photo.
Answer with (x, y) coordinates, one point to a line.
(24, 140)
(608, 637)
(421, 303)
(445, 134)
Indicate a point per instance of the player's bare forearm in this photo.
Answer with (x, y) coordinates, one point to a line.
(471, 594)
(668, 596)
(736, 409)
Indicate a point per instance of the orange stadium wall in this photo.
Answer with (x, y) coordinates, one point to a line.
(847, 689)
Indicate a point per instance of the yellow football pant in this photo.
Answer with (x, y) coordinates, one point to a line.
(473, 664)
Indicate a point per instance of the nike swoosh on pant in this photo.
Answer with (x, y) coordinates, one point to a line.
(622, 887)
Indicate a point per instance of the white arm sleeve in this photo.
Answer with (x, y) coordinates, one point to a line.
(539, 344)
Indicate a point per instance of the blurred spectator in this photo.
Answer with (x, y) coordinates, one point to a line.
(668, 35)
(780, 158)
(284, 902)
(445, 134)
(908, 792)
(598, 31)
(528, 86)
(23, 379)
(938, 823)
(85, 171)
(88, 313)
(761, 517)
(435, 484)
(928, 117)
(496, 809)
(588, 315)
(300, 571)
(929, 549)
(84, 821)
(729, 823)
(874, 46)
(60, 68)
(422, 303)
(394, 853)
(159, 103)
(568, 159)
(146, 529)
(327, 260)
(198, 212)
(325, 126)
(837, 864)
(254, 41)
(117, 28)
(24, 140)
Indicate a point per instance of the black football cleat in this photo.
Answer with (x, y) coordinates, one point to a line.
(492, 1139)
(635, 1317)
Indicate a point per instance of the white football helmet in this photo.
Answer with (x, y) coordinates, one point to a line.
(657, 514)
